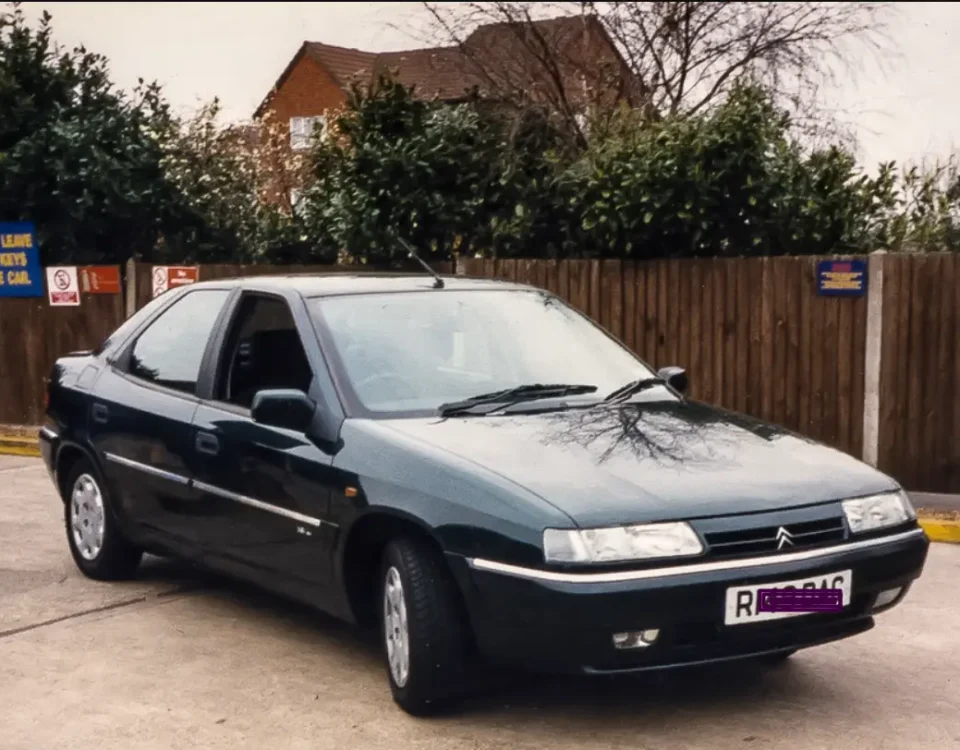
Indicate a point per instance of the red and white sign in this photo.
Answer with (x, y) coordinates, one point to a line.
(168, 277)
(100, 279)
(62, 286)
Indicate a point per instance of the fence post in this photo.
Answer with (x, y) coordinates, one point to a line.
(130, 290)
(873, 359)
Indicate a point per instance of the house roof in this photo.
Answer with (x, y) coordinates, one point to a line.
(554, 30)
(448, 72)
(344, 64)
(517, 49)
(435, 71)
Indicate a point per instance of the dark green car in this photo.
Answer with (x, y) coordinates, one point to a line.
(473, 465)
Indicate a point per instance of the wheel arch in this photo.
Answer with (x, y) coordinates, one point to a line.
(362, 552)
(68, 454)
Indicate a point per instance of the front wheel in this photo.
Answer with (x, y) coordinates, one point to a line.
(96, 542)
(423, 628)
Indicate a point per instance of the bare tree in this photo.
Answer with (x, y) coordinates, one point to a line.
(519, 55)
(681, 57)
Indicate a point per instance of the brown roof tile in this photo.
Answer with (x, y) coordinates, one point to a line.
(557, 31)
(435, 72)
(448, 72)
(345, 65)
(512, 57)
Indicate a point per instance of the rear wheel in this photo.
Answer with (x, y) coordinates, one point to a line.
(423, 628)
(96, 543)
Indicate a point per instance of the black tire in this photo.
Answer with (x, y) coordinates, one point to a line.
(116, 558)
(437, 633)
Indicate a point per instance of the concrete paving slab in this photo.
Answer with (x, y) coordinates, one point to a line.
(16, 463)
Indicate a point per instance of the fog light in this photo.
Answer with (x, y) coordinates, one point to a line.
(885, 598)
(635, 638)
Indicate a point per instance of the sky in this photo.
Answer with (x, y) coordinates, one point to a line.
(903, 107)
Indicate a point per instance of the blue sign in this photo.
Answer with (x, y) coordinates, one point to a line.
(842, 278)
(20, 272)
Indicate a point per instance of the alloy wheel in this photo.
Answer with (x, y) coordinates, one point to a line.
(395, 627)
(87, 518)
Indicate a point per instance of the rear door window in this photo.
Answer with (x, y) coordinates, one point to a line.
(170, 351)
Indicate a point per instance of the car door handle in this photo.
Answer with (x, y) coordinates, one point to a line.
(100, 413)
(207, 443)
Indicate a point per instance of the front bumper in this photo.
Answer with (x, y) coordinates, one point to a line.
(555, 622)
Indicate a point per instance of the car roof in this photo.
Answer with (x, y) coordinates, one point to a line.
(324, 285)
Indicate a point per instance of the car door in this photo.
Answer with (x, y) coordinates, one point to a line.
(142, 412)
(265, 491)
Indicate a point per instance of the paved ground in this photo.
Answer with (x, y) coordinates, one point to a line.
(180, 660)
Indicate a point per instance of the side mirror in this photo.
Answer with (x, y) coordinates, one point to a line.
(283, 407)
(676, 378)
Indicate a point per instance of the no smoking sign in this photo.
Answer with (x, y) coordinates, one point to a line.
(63, 287)
(168, 277)
(159, 280)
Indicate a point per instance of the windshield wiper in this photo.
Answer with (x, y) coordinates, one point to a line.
(631, 388)
(510, 396)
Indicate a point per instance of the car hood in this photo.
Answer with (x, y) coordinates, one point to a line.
(650, 461)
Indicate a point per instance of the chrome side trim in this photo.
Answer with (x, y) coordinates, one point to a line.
(258, 504)
(219, 491)
(146, 468)
(47, 434)
(684, 570)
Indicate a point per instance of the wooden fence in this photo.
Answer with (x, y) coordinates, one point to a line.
(33, 334)
(920, 371)
(753, 334)
(757, 338)
(143, 271)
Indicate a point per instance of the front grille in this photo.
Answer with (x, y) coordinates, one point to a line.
(771, 538)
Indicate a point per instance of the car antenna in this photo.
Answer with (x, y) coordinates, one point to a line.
(438, 282)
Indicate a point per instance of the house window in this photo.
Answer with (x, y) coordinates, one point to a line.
(301, 130)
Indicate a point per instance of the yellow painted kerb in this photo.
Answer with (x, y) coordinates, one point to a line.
(941, 530)
(19, 446)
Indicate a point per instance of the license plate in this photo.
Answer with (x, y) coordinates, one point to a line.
(742, 601)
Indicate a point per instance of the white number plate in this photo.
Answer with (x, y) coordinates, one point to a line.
(741, 604)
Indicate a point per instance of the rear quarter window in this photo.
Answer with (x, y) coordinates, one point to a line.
(170, 350)
(123, 331)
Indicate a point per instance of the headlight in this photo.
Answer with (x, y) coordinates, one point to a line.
(878, 511)
(620, 543)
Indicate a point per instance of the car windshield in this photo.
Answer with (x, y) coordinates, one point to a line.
(415, 351)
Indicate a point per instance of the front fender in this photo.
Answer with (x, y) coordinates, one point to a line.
(470, 510)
